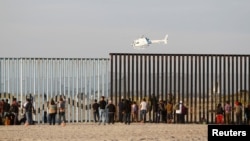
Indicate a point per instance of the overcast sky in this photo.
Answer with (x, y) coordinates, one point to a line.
(95, 28)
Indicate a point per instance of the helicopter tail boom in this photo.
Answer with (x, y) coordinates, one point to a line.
(165, 40)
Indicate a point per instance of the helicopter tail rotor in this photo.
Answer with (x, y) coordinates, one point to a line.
(166, 39)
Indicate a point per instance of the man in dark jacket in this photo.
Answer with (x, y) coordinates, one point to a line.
(15, 110)
(127, 111)
(102, 111)
(96, 110)
(111, 112)
(6, 107)
(28, 111)
(121, 109)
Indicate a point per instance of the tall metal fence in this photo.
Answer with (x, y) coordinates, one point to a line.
(79, 80)
(200, 80)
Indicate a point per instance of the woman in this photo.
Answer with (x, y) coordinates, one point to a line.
(52, 112)
(219, 114)
(134, 112)
(61, 111)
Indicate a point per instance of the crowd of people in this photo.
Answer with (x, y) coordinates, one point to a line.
(224, 113)
(159, 111)
(9, 113)
(131, 111)
(104, 111)
(126, 111)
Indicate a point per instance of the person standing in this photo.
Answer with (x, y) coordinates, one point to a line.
(111, 112)
(228, 110)
(52, 112)
(149, 109)
(238, 112)
(154, 102)
(28, 111)
(219, 114)
(143, 110)
(6, 107)
(102, 110)
(1, 108)
(169, 109)
(160, 110)
(178, 111)
(96, 106)
(121, 109)
(134, 112)
(61, 111)
(127, 111)
(184, 111)
(107, 112)
(15, 109)
(247, 114)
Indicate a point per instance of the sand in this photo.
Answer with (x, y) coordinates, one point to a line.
(95, 132)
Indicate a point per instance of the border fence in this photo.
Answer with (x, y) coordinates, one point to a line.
(201, 81)
(79, 80)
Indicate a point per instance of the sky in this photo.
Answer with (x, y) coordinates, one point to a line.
(95, 28)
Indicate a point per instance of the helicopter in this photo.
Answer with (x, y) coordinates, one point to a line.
(143, 42)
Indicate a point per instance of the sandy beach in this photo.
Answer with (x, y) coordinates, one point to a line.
(95, 132)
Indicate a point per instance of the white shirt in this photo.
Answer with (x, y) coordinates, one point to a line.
(180, 107)
(143, 105)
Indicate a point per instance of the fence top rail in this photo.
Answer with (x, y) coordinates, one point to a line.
(160, 54)
(26, 58)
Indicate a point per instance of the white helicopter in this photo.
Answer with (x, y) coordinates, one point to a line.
(143, 42)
